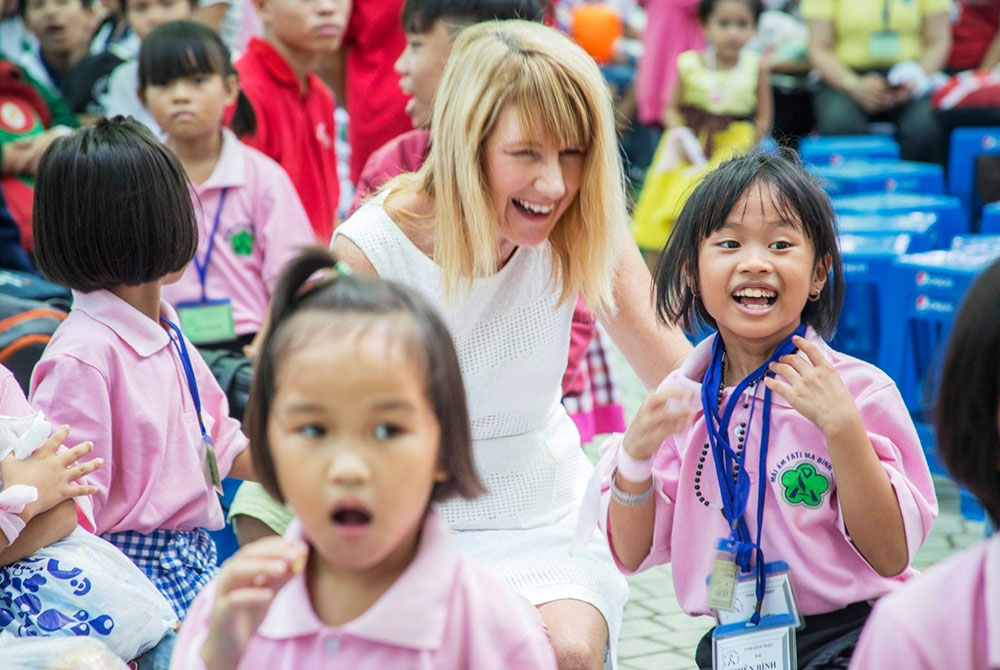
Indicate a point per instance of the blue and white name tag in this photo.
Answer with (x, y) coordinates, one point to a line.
(779, 597)
(770, 645)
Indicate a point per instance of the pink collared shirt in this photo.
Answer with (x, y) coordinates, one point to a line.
(262, 226)
(803, 525)
(442, 612)
(947, 618)
(113, 375)
(12, 400)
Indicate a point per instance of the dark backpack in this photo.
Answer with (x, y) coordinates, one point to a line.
(28, 286)
(26, 326)
(233, 372)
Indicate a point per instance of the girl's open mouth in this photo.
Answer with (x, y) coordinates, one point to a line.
(755, 298)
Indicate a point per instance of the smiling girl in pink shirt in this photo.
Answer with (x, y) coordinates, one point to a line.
(766, 440)
(950, 617)
(114, 222)
(358, 419)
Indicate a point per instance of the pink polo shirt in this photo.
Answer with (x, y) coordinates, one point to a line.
(12, 400)
(113, 375)
(803, 525)
(946, 618)
(442, 612)
(262, 225)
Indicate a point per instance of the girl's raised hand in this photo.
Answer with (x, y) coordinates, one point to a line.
(54, 473)
(664, 412)
(812, 386)
(247, 585)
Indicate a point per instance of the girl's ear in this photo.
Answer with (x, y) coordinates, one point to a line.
(820, 274)
(232, 88)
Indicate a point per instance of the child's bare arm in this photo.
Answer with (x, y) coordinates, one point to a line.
(47, 528)
(672, 116)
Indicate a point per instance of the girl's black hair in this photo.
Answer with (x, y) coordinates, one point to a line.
(183, 48)
(346, 296)
(419, 16)
(706, 7)
(111, 208)
(966, 416)
(799, 198)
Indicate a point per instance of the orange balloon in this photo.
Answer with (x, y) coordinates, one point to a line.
(596, 27)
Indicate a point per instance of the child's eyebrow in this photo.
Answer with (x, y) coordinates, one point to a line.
(392, 405)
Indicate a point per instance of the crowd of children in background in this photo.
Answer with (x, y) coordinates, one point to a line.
(415, 493)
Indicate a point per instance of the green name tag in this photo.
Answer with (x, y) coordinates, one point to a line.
(884, 46)
(207, 322)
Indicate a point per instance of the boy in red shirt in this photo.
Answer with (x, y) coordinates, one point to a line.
(294, 108)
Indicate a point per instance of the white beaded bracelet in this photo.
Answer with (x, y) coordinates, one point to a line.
(626, 499)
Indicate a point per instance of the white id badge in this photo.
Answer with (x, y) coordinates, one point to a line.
(779, 596)
(770, 644)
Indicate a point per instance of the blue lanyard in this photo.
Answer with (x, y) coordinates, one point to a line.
(178, 339)
(735, 490)
(202, 267)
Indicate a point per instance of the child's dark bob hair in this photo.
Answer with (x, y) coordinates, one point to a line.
(340, 296)
(179, 49)
(112, 208)
(707, 7)
(799, 198)
(966, 416)
(419, 16)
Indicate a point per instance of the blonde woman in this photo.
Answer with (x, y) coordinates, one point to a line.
(519, 207)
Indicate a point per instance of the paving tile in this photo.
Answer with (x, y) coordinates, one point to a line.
(668, 660)
(646, 628)
(640, 646)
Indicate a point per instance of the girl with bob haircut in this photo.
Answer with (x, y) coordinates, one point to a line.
(948, 617)
(358, 420)
(810, 454)
(113, 221)
(519, 207)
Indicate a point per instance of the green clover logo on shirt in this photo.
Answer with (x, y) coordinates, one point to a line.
(242, 243)
(804, 485)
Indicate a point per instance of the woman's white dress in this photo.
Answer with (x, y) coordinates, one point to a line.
(512, 339)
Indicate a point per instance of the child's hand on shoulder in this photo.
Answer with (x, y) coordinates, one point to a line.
(665, 412)
(812, 386)
(52, 472)
(246, 588)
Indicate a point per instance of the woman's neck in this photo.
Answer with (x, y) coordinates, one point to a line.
(144, 297)
(198, 156)
(339, 595)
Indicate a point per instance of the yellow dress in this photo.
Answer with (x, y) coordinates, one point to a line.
(719, 106)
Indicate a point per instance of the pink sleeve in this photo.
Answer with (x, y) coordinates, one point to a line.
(282, 223)
(580, 335)
(73, 393)
(12, 400)
(887, 642)
(897, 445)
(666, 471)
(187, 648)
(227, 435)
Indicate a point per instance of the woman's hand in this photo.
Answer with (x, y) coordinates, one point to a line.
(52, 472)
(663, 413)
(872, 92)
(813, 387)
(247, 586)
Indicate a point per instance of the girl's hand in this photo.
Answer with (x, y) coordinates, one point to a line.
(663, 413)
(52, 472)
(247, 586)
(812, 386)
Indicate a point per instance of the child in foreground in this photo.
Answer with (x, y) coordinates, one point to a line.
(950, 617)
(767, 445)
(358, 421)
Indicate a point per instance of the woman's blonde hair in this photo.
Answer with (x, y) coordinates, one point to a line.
(559, 94)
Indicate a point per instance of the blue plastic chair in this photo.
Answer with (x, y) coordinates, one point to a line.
(857, 176)
(952, 216)
(990, 223)
(834, 149)
(924, 228)
(966, 145)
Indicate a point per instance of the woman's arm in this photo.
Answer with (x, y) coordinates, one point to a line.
(936, 42)
(651, 348)
(992, 56)
(870, 91)
(346, 250)
(764, 117)
(42, 530)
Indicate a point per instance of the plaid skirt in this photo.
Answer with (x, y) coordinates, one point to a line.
(179, 562)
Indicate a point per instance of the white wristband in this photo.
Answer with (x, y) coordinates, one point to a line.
(632, 469)
(12, 502)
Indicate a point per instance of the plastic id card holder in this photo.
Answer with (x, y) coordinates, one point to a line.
(209, 321)
(770, 645)
(884, 46)
(779, 596)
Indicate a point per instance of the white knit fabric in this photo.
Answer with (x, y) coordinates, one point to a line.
(512, 340)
